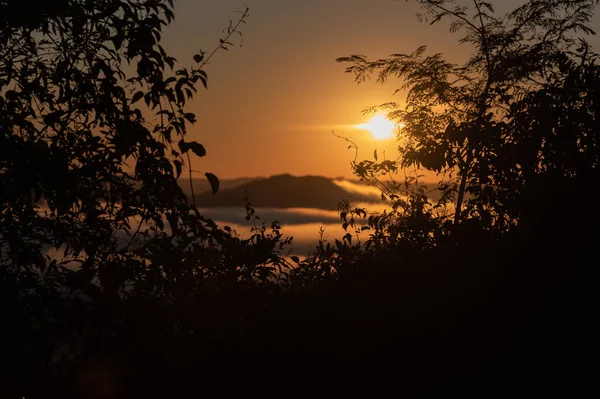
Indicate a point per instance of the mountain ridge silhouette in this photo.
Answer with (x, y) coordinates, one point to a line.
(281, 191)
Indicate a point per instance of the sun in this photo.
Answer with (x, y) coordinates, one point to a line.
(380, 127)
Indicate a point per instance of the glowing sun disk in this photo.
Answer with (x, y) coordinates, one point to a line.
(380, 127)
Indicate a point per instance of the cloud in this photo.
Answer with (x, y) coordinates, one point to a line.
(287, 216)
(369, 193)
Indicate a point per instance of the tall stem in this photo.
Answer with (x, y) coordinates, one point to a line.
(191, 179)
(462, 189)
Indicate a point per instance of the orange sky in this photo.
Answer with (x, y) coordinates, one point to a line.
(273, 103)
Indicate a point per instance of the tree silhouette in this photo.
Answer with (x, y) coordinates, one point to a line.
(93, 125)
(467, 122)
(76, 136)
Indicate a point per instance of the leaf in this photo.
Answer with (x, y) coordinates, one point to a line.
(117, 41)
(203, 78)
(198, 58)
(11, 95)
(214, 182)
(375, 154)
(137, 96)
(295, 259)
(190, 117)
(343, 215)
(178, 167)
(197, 148)
(183, 146)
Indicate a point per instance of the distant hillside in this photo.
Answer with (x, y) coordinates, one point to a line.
(201, 184)
(282, 191)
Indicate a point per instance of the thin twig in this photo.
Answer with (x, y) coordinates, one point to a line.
(353, 144)
(222, 43)
(231, 32)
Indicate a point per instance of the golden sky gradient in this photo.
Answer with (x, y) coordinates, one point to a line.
(273, 103)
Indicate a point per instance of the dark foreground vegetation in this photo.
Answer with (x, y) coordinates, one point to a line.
(113, 285)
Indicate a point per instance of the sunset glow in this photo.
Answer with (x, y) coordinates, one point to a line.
(380, 127)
